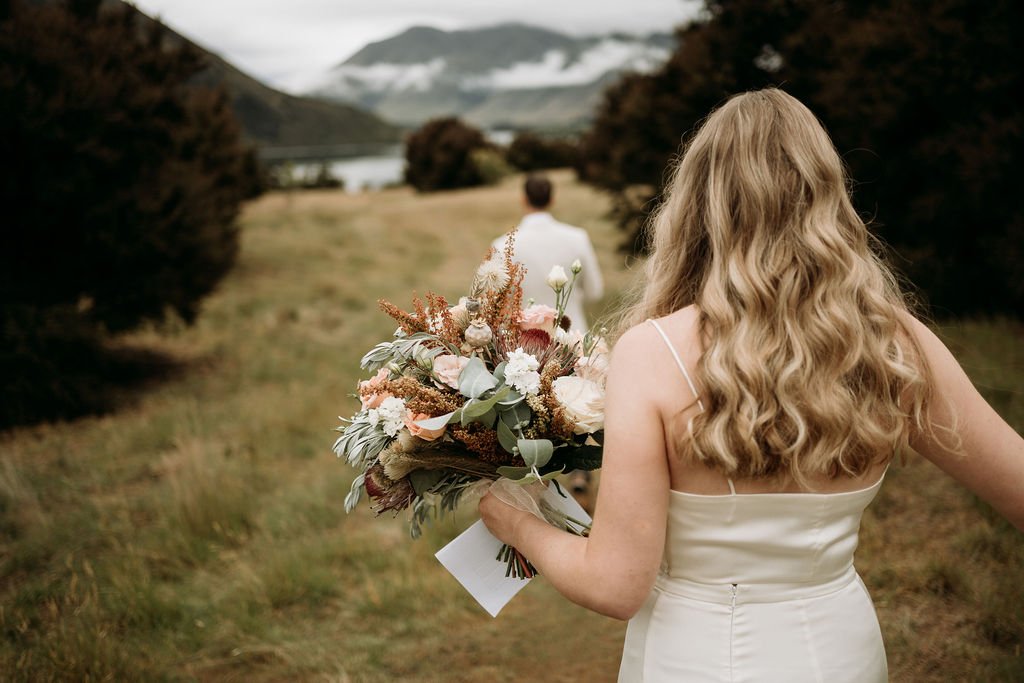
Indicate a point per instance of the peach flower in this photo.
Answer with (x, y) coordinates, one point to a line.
(422, 432)
(447, 369)
(370, 391)
(538, 317)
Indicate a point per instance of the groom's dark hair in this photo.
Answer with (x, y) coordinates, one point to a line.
(538, 190)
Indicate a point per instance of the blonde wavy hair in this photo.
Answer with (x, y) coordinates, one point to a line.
(808, 369)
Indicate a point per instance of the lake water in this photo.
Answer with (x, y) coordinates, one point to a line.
(370, 172)
(382, 169)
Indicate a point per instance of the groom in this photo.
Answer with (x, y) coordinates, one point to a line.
(542, 242)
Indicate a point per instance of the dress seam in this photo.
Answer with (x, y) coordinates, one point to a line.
(810, 644)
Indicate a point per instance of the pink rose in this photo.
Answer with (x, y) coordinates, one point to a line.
(538, 317)
(447, 369)
(422, 432)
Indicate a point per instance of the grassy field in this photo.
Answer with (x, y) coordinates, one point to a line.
(198, 533)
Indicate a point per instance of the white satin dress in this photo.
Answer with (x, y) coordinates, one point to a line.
(758, 588)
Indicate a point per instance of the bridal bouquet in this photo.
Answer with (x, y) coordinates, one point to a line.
(481, 390)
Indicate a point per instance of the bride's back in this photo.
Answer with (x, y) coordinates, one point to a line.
(678, 405)
(790, 329)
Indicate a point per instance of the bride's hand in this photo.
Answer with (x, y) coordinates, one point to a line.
(501, 518)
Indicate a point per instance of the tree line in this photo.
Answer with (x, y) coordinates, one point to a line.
(920, 99)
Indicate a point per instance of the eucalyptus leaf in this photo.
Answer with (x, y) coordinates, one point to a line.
(499, 372)
(551, 475)
(506, 437)
(465, 419)
(514, 473)
(477, 407)
(535, 452)
(474, 380)
(512, 398)
(488, 419)
(514, 415)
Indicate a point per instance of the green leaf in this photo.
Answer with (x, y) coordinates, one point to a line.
(551, 475)
(535, 452)
(512, 399)
(424, 480)
(499, 372)
(436, 422)
(474, 380)
(514, 473)
(506, 437)
(488, 419)
(514, 415)
(479, 407)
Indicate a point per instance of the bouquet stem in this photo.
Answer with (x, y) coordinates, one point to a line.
(516, 564)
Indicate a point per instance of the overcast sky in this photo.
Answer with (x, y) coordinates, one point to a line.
(288, 43)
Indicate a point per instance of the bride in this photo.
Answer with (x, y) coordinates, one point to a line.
(769, 373)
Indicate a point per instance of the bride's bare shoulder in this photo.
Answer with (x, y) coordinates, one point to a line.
(643, 344)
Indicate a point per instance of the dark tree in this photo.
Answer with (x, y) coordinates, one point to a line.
(917, 97)
(439, 156)
(122, 187)
(531, 152)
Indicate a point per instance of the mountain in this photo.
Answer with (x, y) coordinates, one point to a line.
(273, 119)
(510, 75)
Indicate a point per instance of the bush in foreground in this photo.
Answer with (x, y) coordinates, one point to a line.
(120, 208)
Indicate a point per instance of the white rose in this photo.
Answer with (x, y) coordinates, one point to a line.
(557, 278)
(576, 267)
(583, 401)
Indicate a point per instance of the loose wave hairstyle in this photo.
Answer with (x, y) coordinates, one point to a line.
(808, 368)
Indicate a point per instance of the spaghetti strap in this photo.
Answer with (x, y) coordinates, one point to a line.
(679, 362)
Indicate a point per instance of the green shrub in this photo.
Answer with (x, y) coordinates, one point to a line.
(491, 165)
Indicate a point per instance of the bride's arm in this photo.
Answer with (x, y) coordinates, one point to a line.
(990, 461)
(612, 571)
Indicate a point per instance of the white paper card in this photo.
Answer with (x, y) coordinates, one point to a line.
(470, 558)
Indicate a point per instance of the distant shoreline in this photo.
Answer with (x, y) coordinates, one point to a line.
(309, 153)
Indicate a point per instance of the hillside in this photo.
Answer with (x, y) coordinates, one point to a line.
(507, 75)
(271, 118)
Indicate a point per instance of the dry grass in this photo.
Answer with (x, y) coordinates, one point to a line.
(199, 534)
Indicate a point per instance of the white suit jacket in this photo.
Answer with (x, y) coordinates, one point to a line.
(542, 242)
